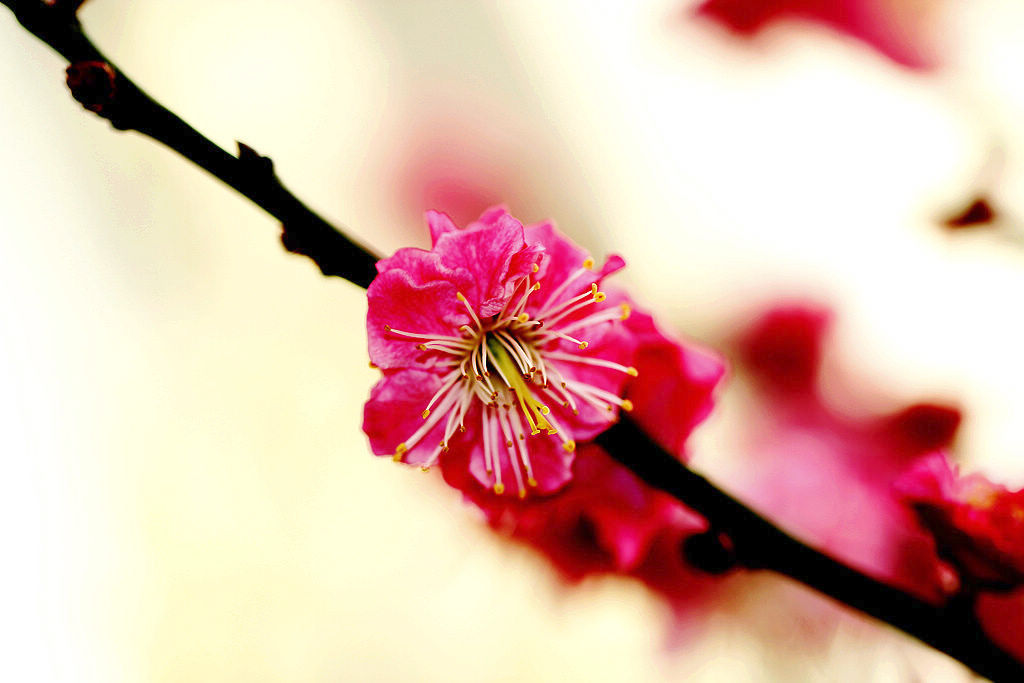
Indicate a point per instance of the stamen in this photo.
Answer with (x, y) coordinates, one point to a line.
(607, 315)
(510, 441)
(472, 314)
(558, 311)
(428, 337)
(513, 349)
(522, 302)
(400, 450)
(565, 399)
(587, 360)
(599, 398)
(567, 443)
(446, 347)
(553, 334)
(552, 320)
(486, 426)
(561, 389)
(588, 264)
(431, 421)
(520, 349)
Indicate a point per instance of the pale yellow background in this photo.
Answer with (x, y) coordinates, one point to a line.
(186, 494)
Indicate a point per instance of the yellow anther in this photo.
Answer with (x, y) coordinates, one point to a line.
(593, 288)
(522, 494)
(626, 310)
(536, 286)
(387, 328)
(372, 366)
(627, 405)
(631, 371)
(523, 317)
(400, 450)
(508, 443)
(569, 445)
(425, 468)
(600, 296)
(589, 264)
(421, 347)
(584, 345)
(531, 482)
(425, 414)
(544, 409)
(535, 267)
(499, 489)
(460, 296)
(522, 437)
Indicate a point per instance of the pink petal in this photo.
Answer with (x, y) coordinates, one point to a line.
(393, 413)
(899, 34)
(552, 466)
(402, 301)
(496, 257)
(440, 224)
(674, 387)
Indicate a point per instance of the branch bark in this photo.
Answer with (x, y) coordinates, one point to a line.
(104, 89)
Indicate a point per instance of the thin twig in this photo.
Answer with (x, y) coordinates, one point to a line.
(758, 544)
(104, 89)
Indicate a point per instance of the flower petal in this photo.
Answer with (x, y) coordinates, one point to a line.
(405, 300)
(496, 256)
(673, 390)
(440, 224)
(394, 413)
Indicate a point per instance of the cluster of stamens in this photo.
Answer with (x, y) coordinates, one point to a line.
(509, 363)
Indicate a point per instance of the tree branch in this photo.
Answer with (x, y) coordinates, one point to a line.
(104, 89)
(758, 544)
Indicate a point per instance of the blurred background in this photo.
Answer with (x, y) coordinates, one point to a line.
(186, 492)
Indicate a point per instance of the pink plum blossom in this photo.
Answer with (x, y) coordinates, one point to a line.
(828, 477)
(898, 29)
(606, 519)
(978, 525)
(499, 351)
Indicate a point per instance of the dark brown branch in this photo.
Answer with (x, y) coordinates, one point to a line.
(743, 535)
(758, 544)
(104, 89)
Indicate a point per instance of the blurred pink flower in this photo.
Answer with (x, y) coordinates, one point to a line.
(897, 29)
(826, 477)
(496, 335)
(978, 526)
(454, 161)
